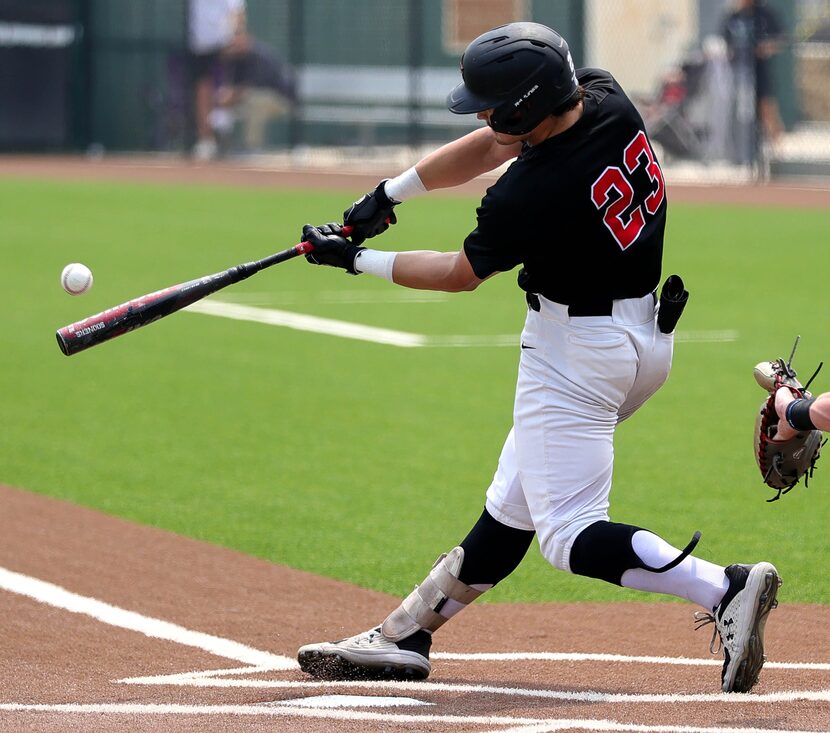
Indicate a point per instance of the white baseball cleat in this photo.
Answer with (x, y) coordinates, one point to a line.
(740, 619)
(368, 656)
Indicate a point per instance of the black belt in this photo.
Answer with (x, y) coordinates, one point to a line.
(576, 310)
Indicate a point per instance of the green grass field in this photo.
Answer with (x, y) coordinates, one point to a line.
(363, 461)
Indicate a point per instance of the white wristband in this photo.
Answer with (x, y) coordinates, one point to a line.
(375, 262)
(405, 186)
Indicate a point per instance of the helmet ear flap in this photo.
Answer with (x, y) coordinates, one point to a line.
(515, 119)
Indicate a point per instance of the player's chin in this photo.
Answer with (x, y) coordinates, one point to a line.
(502, 138)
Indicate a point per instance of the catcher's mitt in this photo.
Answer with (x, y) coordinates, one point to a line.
(783, 463)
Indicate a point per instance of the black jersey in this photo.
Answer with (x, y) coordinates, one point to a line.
(584, 211)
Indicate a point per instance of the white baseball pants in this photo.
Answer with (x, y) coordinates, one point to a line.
(578, 377)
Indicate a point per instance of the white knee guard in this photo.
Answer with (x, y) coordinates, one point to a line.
(419, 610)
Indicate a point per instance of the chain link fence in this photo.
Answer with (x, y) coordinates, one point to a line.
(727, 90)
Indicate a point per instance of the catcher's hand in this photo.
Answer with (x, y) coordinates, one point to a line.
(782, 463)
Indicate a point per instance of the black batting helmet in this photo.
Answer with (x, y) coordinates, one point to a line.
(523, 71)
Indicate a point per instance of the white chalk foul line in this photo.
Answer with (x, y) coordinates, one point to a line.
(705, 337)
(189, 678)
(352, 701)
(386, 296)
(612, 725)
(344, 329)
(313, 324)
(542, 694)
(58, 597)
(594, 657)
(520, 725)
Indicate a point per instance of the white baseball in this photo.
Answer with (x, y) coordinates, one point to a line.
(76, 278)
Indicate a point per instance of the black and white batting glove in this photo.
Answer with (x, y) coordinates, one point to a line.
(370, 215)
(330, 247)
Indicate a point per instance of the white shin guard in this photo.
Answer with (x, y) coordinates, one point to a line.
(420, 609)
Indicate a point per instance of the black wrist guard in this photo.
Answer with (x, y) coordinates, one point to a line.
(798, 414)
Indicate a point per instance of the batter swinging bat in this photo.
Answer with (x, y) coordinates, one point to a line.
(148, 308)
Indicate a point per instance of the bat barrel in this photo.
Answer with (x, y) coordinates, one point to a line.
(67, 343)
(148, 308)
(139, 312)
(115, 321)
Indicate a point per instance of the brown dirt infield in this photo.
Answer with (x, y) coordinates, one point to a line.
(52, 657)
(806, 194)
(63, 671)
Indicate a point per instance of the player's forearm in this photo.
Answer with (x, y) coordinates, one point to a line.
(820, 412)
(426, 270)
(464, 159)
(421, 269)
(451, 165)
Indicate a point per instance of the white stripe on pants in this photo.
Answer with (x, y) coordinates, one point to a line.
(578, 379)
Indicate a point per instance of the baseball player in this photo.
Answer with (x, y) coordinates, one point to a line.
(582, 210)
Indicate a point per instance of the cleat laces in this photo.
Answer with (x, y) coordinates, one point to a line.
(704, 619)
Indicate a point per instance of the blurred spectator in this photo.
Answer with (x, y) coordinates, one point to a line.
(215, 28)
(753, 36)
(261, 87)
(235, 76)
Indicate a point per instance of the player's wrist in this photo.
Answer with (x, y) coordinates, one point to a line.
(405, 186)
(375, 262)
(797, 414)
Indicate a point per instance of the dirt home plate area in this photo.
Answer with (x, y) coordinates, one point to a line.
(111, 626)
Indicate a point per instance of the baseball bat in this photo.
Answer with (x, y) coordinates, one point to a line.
(143, 310)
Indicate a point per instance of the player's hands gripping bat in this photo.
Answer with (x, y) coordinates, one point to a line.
(140, 311)
(330, 247)
(782, 463)
(370, 215)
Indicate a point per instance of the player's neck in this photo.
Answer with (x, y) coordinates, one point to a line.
(552, 126)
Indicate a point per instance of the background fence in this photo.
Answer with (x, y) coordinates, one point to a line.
(113, 75)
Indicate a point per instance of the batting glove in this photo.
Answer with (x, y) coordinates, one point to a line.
(370, 215)
(330, 247)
